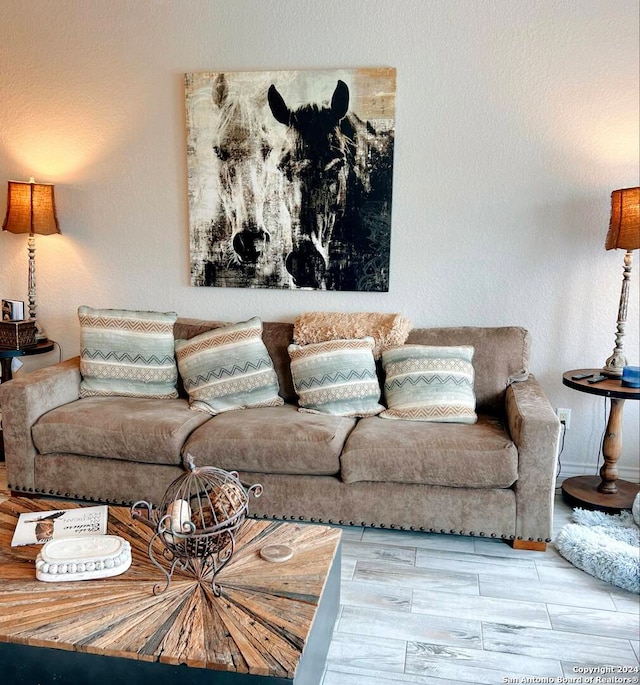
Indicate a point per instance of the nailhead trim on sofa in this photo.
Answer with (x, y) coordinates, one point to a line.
(364, 524)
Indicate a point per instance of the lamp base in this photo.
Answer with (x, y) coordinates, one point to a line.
(617, 361)
(613, 367)
(41, 336)
(611, 374)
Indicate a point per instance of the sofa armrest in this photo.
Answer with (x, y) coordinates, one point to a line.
(24, 400)
(535, 430)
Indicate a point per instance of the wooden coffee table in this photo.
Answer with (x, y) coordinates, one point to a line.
(272, 623)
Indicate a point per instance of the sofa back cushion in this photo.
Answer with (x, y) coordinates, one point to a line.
(501, 357)
(501, 354)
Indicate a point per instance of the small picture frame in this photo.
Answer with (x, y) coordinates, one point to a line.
(12, 310)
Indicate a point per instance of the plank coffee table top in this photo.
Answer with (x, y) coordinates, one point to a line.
(260, 624)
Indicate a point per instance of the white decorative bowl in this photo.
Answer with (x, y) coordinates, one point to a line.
(85, 558)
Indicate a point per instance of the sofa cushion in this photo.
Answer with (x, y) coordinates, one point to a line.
(228, 368)
(336, 377)
(479, 455)
(429, 383)
(501, 357)
(129, 428)
(127, 353)
(276, 336)
(271, 440)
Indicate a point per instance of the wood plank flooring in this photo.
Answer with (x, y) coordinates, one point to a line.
(437, 610)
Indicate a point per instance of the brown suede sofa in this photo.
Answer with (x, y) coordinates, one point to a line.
(494, 478)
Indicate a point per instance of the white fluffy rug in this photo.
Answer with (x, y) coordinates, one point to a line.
(604, 545)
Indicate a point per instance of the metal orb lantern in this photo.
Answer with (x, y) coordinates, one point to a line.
(197, 521)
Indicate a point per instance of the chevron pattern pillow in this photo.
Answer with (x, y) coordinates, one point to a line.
(428, 383)
(228, 368)
(127, 353)
(336, 377)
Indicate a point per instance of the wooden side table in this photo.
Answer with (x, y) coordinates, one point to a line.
(7, 355)
(605, 492)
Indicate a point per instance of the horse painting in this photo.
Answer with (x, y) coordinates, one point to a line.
(296, 195)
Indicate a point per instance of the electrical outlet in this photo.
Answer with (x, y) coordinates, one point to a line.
(565, 417)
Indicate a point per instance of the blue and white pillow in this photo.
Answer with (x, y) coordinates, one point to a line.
(228, 368)
(336, 377)
(429, 383)
(127, 353)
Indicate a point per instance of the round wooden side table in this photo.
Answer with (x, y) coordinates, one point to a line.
(605, 492)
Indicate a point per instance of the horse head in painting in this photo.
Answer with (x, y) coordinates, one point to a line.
(339, 173)
(241, 146)
(315, 162)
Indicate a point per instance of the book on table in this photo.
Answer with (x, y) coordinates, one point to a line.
(38, 527)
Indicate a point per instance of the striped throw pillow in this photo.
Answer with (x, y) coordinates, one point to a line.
(127, 353)
(427, 383)
(336, 377)
(228, 368)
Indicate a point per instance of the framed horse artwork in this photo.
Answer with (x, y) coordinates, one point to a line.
(290, 177)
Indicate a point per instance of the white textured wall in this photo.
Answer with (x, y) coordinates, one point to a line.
(514, 121)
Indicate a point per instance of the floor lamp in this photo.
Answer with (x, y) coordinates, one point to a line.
(624, 234)
(31, 209)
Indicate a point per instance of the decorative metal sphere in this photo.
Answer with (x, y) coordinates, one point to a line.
(200, 507)
(197, 518)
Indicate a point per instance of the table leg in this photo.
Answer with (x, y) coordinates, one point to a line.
(607, 492)
(612, 448)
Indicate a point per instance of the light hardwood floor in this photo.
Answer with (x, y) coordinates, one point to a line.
(441, 610)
